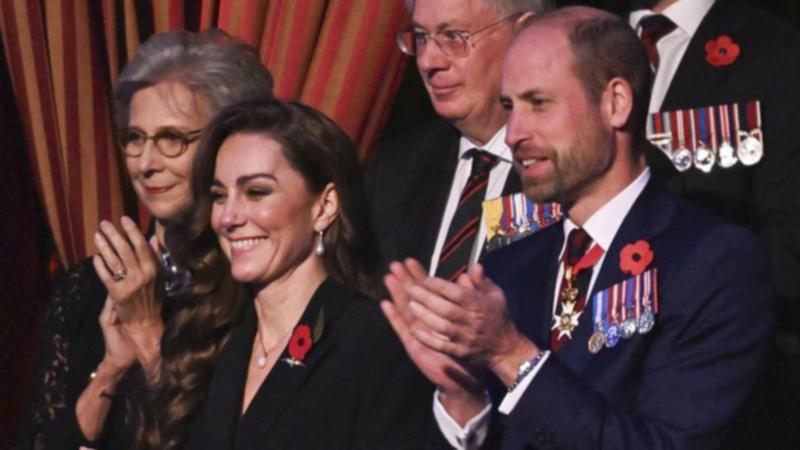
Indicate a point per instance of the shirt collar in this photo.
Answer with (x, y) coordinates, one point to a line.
(603, 225)
(685, 14)
(496, 146)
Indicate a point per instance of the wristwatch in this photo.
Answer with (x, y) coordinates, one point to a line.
(525, 368)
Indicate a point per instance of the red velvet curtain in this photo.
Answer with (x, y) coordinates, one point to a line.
(336, 55)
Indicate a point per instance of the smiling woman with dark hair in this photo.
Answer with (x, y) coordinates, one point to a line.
(308, 361)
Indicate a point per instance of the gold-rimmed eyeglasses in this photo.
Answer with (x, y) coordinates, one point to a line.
(454, 43)
(170, 142)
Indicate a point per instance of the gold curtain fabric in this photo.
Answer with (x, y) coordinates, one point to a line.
(64, 55)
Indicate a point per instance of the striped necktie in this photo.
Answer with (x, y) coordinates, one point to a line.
(460, 240)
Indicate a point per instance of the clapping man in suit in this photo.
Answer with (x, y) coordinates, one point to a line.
(427, 185)
(629, 325)
(717, 53)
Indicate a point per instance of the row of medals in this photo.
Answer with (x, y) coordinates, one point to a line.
(749, 152)
(568, 320)
(624, 329)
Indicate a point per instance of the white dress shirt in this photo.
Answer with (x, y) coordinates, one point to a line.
(686, 15)
(497, 180)
(602, 226)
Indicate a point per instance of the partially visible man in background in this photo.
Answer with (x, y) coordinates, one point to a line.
(426, 185)
(731, 71)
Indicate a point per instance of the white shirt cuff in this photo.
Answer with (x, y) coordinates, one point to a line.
(474, 432)
(510, 400)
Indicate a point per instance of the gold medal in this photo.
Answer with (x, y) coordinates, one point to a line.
(596, 342)
(570, 293)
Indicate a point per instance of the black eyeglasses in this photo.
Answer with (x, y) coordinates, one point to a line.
(454, 43)
(168, 141)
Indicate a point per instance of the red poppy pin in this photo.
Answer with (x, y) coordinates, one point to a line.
(634, 258)
(722, 51)
(302, 340)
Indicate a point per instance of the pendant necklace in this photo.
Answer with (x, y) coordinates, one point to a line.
(261, 361)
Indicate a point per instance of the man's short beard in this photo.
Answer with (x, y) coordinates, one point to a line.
(575, 170)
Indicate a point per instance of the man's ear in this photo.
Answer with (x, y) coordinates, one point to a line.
(326, 208)
(617, 103)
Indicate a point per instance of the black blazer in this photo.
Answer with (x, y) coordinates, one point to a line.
(764, 197)
(357, 390)
(408, 182)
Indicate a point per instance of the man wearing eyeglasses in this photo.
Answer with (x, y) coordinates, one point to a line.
(426, 185)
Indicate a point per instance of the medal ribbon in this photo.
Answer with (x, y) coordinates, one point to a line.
(737, 127)
(677, 133)
(712, 127)
(702, 122)
(693, 132)
(589, 259)
(688, 130)
(505, 222)
(599, 309)
(753, 115)
(534, 213)
(570, 278)
(654, 276)
(724, 123)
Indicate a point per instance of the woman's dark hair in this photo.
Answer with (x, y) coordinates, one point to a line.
(222, 71)
(322, 153)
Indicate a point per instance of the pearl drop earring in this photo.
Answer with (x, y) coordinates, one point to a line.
(319, 249)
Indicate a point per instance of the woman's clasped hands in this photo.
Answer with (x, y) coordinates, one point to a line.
(131, 320)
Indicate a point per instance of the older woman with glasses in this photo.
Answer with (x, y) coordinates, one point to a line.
(88, 375)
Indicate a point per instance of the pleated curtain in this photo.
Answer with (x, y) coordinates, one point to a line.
(336, 55)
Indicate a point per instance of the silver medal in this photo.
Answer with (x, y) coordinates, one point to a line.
(612, 336)
(682, 158)
(646, 321)
(704, 158)
(751, 150)
(628, 328)
(727, 155)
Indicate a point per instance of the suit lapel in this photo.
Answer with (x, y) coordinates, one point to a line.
(284, 380)
(530, 283)
(648, 217)
(513, 183)
(217, 421)
(696, 77)
(436, 189)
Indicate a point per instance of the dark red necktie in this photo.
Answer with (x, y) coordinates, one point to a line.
(460, 240)
(654, 28)
(575, 255)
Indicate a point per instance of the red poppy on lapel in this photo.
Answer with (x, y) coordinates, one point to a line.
(300, 343)
(634, 258)
(722, 51)
(302, 340)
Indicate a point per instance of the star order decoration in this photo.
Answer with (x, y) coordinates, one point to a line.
(722, 51)
(634, 258)
(567, 321)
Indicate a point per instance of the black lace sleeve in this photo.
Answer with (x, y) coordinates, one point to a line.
(71, 348)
